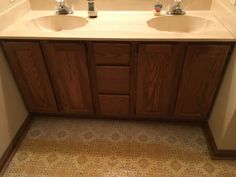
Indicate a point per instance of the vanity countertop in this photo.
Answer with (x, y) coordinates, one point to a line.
(123, 26)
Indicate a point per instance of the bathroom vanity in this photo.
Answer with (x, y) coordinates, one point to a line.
(110, 67)
(123, 79)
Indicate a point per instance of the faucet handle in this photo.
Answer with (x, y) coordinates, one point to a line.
(157, 8)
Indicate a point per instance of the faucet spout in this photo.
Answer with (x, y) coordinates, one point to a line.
(176, 8)
(62, 9)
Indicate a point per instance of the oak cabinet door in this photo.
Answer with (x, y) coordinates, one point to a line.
(67, 65)
(27, 64)
(159, 69)
(202, 71)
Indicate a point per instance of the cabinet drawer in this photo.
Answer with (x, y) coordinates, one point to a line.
(114, 54)
(114, 104)
(113, 79)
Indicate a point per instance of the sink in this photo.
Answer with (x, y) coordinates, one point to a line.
(56, 23)
(181, 24)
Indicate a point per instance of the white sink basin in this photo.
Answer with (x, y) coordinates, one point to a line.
(181, 24)
(56, 23)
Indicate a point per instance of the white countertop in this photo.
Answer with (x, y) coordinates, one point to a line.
(119, 26)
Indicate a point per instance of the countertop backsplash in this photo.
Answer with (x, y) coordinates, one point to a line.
(226, 15)
(13, 12)
(121, 5)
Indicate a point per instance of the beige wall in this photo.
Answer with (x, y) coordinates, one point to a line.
(223, 117)
(12, 109)
(121, 4)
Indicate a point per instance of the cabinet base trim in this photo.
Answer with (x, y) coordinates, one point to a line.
(215, 153)
(120, 117)
(15, 143)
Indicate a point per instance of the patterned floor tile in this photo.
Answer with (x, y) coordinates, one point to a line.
(110, 148)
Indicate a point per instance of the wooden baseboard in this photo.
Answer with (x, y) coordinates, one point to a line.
(215, 153)
(121, 117)
(15, 143)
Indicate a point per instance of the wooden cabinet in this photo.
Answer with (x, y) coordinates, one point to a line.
(177, 80)
(27, 64)
(202, 71)
(159, 70)
(67, 66)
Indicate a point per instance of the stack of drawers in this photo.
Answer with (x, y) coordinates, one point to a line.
(113, 77)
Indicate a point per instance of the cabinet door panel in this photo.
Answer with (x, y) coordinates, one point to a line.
(201, 75)
(159, 67)
(26, 61)
(67, 66)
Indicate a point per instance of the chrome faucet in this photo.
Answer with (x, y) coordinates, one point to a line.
(62, 9)
(176, 8)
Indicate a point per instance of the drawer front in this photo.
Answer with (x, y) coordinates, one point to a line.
(113, 54)
(113, 79)
(114, 104)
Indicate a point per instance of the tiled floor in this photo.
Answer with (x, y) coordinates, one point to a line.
(108, 148)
